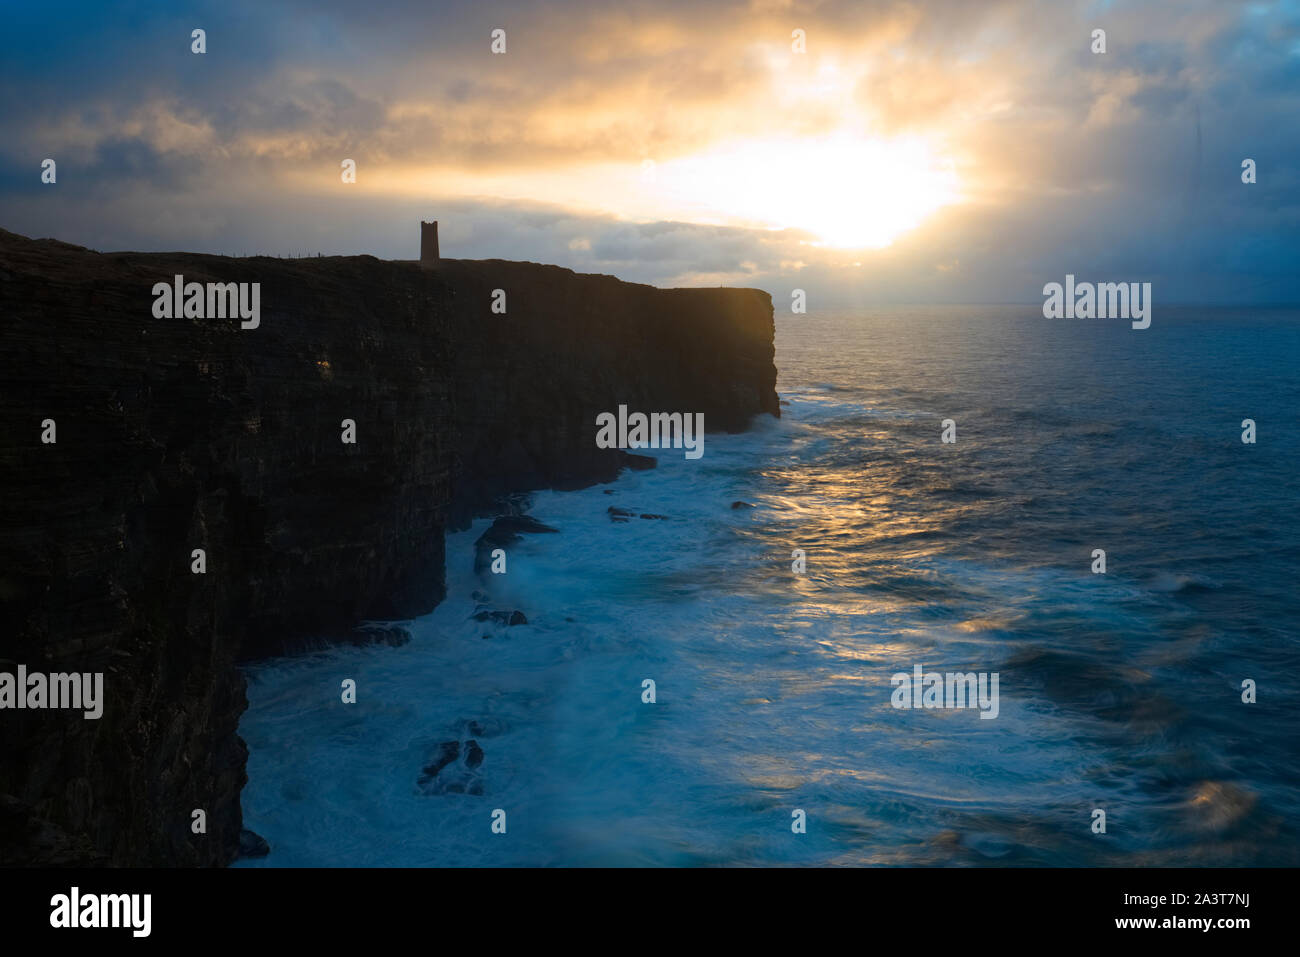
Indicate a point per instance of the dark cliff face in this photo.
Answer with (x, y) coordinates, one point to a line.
(177, 434)
(530, 383)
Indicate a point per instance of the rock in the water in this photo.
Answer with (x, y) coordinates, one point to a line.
(454, 770)
(503, 532)
(501, 617)
(448, 752)
(380, 633)
(473, 754)
(519, 525)
(623, 514)
(487, 727)
(740, 504)
(252, 845)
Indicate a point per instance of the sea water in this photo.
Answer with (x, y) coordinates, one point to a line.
(1120, 692)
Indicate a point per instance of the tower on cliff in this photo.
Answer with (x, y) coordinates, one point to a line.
(428, 244)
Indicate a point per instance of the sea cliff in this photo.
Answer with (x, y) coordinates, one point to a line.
(176, 434)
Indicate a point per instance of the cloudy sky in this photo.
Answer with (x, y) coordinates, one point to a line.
(943, 151)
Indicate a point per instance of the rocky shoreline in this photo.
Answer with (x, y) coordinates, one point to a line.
(176, 435)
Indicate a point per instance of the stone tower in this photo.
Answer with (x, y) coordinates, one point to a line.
(428, 244)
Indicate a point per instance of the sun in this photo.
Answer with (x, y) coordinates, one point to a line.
(849, 192)
(845, 191)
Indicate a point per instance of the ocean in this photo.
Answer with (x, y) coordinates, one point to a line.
(1119, 692)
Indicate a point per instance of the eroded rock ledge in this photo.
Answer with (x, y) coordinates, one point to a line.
(176, 434)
